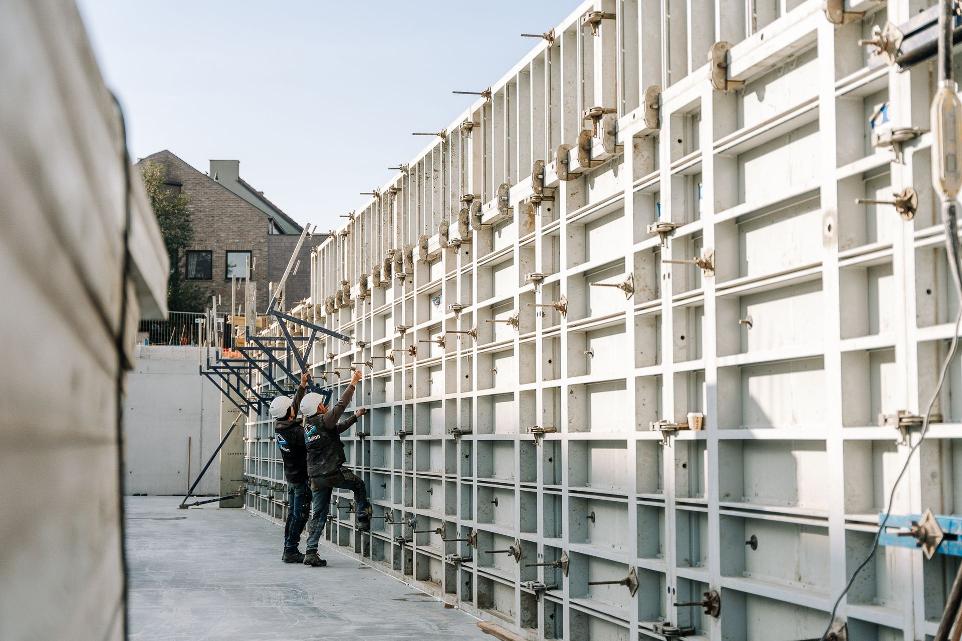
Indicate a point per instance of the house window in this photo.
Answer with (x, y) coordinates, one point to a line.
(200, 265)
(238, 264)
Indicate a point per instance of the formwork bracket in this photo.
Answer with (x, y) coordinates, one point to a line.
(836, 14)
(928, 532)
(718, 58)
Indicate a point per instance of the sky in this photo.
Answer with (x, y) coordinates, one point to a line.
(315, 98)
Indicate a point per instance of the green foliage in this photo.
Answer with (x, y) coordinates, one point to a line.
(173, 217)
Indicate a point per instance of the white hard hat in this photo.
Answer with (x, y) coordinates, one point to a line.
(280, 405)
(309, 404)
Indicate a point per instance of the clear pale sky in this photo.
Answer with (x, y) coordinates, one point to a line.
(316, 99)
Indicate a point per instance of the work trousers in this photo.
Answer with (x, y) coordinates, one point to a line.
(298, 510)
(322, 487)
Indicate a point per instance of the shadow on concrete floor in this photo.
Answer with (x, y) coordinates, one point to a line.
(208, 574)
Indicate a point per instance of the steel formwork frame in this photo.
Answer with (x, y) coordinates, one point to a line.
(753, 291)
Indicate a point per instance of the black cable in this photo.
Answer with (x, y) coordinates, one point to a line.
(122, 362)
(952, 250)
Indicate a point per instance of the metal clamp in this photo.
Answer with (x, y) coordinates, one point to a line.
(836, 14)
(905, 421)
(538, 432)
(536, 278)
(666, 428)
(895, 138)
(457, 432)
(663, 229)
(672, 632)
(593, 19)
(457, 559)
(537, 587)
(718, 58)
(594, 114)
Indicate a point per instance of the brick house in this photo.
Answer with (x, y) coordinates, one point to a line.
(236, 229)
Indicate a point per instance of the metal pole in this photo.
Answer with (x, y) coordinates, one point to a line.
(951, 608)
(945, 40)
(183, 505)
(290, 267)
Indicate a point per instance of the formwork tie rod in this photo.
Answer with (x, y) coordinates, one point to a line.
(485, 93)
(630, 582)
(548, 36)
(560, 563)
(510, 320)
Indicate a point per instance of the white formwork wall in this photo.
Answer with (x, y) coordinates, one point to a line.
(65, 194)
(817, 316)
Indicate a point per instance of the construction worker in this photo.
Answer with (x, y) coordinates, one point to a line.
(325, 461)
(289, 435)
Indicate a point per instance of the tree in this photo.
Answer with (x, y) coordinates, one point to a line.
(173, 217)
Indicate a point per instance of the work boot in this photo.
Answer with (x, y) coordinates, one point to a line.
(292, 556)
(313, 560)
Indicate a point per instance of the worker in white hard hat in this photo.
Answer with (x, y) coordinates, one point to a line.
(289, 436)
(325, 464)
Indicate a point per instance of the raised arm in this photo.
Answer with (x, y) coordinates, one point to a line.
(301, 390)
(346, 424)
(330, 419)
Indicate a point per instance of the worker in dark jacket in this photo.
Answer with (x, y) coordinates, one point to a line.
(325, 460)
(289, 435)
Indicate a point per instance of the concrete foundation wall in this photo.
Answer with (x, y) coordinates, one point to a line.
(518, 400)
(170, 410)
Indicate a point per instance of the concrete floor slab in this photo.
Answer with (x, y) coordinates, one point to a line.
(208, 574)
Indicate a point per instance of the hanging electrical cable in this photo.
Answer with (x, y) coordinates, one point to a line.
(947, 178)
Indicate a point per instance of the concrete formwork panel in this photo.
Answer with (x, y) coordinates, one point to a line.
(519, 255)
